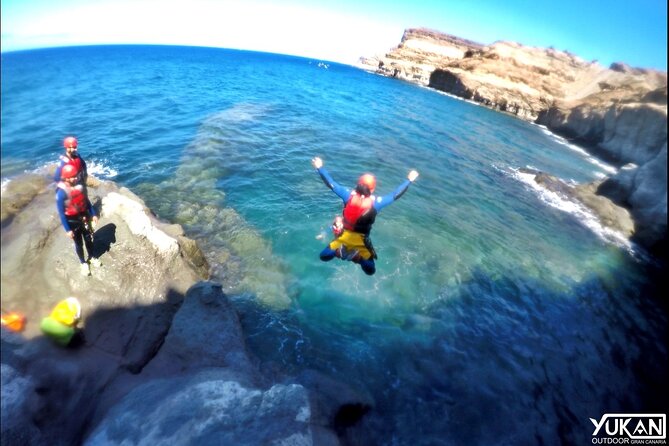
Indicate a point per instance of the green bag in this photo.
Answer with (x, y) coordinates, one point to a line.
(57, 331)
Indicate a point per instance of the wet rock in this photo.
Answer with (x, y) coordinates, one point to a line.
(610, 214)
(643, 189)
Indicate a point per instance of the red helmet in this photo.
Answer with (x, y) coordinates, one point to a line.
(70, 141)
(68, 171)
(369, 181)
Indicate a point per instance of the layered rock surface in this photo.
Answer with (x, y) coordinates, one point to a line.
(618, 112)
(163, 359)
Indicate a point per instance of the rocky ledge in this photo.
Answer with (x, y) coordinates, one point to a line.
(163, 358)
(620, 113)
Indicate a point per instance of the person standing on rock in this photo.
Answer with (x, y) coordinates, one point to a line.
(76, 213)
(352, 240)
(72, 158)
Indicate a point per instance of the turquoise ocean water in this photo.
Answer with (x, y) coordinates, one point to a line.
(499, 314)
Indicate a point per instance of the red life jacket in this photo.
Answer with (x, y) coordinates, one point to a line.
(76, 202)
(359, 213)
(77, 164)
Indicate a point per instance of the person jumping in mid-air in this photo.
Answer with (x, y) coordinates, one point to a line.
(360, 209)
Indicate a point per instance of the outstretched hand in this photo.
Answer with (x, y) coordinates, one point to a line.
(412, 175)
(317, 162)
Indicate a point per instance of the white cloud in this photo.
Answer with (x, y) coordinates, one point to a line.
(306, 31)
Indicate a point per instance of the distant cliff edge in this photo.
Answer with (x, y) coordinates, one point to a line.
(619, 113)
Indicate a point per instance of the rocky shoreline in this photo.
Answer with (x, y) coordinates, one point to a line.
(618, 113)
(163, 358)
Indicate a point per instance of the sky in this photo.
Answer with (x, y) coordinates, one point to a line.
(628, 31)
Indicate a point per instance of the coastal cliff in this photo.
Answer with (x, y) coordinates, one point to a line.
(619, 113)
(163, 358)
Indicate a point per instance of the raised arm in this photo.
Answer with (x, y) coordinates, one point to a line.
(384, 201)
(341, 191)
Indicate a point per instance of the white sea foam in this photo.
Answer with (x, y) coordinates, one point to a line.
(450, 95)
(573, 207)
(42, 169)
(96, 168)
(560, 140)
(101, 169)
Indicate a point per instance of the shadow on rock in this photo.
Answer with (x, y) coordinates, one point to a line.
(171, 372)
(57, 390)
(104, 238)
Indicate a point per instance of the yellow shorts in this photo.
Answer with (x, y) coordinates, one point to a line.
(352, 244)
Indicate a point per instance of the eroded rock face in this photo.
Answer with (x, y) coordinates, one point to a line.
(162, 358)
(201, 387)
(644, 190)
(631, 133)
(127, 306)
(503, 73)
(419, 53)
(209, 408)
(39, 266)
(610, 215)
(619, 112)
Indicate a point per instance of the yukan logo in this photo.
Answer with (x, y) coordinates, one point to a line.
(629, 428)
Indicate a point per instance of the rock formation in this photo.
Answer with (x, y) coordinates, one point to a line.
(618, 112)
(610, 215)
(163, 357)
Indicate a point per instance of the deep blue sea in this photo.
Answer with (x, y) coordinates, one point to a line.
(500, 313)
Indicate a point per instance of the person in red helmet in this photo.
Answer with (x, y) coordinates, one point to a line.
(72, 158)
(361, 206)
(75, 211)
